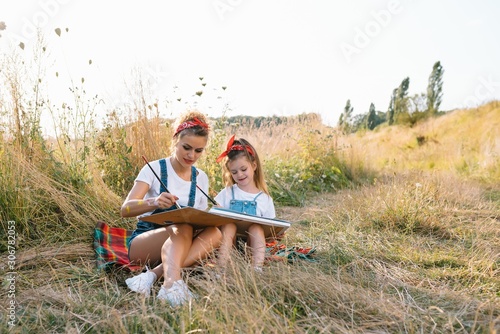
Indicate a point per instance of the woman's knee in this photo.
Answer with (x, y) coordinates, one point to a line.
(213, 233)
(180, 229)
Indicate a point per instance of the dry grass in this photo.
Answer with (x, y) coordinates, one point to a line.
(412, 247)
(465, 142)
(296, 136)
(414, 250)
(368, 277)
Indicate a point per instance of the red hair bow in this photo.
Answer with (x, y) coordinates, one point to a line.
(190, 124)
(231, 147)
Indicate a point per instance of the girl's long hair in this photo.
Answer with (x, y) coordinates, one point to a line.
(258, 178)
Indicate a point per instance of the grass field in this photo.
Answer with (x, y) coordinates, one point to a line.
(405, 222)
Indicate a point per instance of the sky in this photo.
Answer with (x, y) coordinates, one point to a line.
(282, 57)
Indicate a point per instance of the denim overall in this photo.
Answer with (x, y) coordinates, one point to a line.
(248, 207)
(143, 226)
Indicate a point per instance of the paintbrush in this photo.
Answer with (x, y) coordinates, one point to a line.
(157, 177)
(210, 198)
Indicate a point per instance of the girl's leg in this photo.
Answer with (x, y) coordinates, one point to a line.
(228, 240)
(257, 243)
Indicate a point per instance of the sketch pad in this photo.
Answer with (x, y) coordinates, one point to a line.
(218, 217)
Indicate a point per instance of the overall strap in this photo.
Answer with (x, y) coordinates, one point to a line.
(232, 192)
(163, 175)
(255, 198)
(164, 179)
(192, 191)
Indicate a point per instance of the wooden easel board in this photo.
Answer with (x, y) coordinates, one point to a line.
(218, 217)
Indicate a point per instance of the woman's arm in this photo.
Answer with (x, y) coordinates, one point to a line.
(135, 204)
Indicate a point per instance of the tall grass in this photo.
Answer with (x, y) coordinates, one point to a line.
(464, 142)
(367, 278)
(404, 222)
(299, 155)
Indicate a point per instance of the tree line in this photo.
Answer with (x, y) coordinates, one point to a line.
(402, 109)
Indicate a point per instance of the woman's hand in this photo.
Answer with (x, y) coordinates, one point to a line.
(135, 205)
(164, 201)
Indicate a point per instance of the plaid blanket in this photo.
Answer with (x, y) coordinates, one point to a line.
(110, 245)
(276, 251)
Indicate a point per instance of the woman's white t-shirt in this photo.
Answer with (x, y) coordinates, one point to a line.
(265, 204)
(176, 185)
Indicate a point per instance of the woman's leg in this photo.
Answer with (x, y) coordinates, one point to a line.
(174, 252)
(173, 246)
(257, 243)
(203, 245)
(180, 250)
(145, 249)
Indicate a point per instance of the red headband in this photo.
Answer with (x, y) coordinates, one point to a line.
(230, 147)
(190, 124)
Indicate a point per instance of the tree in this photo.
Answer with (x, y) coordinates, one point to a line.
(417, 103)
(358, 122)
(435, 89)
(401, 102)
(372, 117)
(390, 110)
(345, 117)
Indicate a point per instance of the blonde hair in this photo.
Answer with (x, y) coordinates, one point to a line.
(258, 178)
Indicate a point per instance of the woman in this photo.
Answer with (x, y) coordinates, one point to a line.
(170, 248)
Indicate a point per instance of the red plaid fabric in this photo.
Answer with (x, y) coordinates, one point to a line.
(276, 251)
(110, 245)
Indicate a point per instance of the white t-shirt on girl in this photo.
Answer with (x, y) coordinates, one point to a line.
(265, 204)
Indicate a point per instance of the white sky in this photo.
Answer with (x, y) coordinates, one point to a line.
(275, 57)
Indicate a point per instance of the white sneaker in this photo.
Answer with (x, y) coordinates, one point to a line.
(142, 283)
(177, 295)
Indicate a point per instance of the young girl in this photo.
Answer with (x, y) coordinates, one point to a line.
(170, 248)
(246, 191)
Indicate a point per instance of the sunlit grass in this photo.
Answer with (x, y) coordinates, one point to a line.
(367, 277)
(464, 142)
(404, 221)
